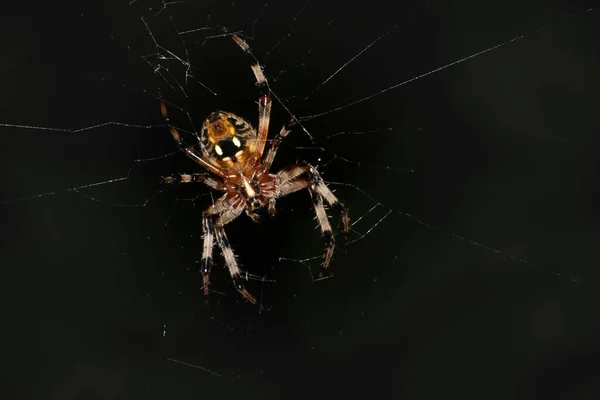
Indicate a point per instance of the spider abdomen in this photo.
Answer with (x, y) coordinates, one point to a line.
(227, 139)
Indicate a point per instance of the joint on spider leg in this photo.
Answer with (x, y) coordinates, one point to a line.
(265, 102)
(321, 188)
(182, 178)
(239, 41)
(168, 180)
(286, 129)
(239, 286)
(259, 75)
(186, 178)
(255, 217)
(289, 125)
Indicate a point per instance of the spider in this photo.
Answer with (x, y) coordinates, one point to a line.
(231, 150)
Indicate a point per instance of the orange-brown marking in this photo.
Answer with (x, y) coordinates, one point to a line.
(219, 129)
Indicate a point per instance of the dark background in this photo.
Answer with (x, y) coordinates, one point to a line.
(496, 152)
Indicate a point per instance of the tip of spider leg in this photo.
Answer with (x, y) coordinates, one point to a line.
(325, 265)
(206, 284)
(345, 225)
(324, 273)
(248, 296)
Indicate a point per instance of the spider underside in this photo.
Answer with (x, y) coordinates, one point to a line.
(231, 150)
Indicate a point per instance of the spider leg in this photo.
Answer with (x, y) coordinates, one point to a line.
(215, 216)
(317, 200)
(276, 142)
(288, 183)
(271, 206)
(264, 118)
(231, 262)
(264, 102)
(254, 216)
(200, 177)
(214, 219)
(190, 151)
(208, 234)
(291, 180)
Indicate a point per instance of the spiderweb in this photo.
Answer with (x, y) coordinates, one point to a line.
(459, 137)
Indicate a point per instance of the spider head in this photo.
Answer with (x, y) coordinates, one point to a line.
(228, 140)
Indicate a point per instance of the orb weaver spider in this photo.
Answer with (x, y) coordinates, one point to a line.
(231, 150)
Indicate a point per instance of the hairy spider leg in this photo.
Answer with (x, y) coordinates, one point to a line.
(305, 176)
(264, 108)
(264, 102)
(270, 156)
(275, 143)
(219, 210)
(190, 151)
(231, 262)
(196, 177)
(208, 242)
(214, 219)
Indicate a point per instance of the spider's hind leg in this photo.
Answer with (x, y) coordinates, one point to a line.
(325, 226)
(208, 231)
(322, 189)
(214, 220)
(305, 176)
(231, 262)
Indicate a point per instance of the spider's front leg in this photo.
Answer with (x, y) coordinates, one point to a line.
(264, 102)
(305, 176)
(264, 108)
(276, 142)
(190, 151)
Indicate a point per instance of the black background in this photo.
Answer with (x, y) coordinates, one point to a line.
(500, 149)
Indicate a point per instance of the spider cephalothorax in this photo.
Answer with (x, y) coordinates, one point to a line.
(233, 153)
